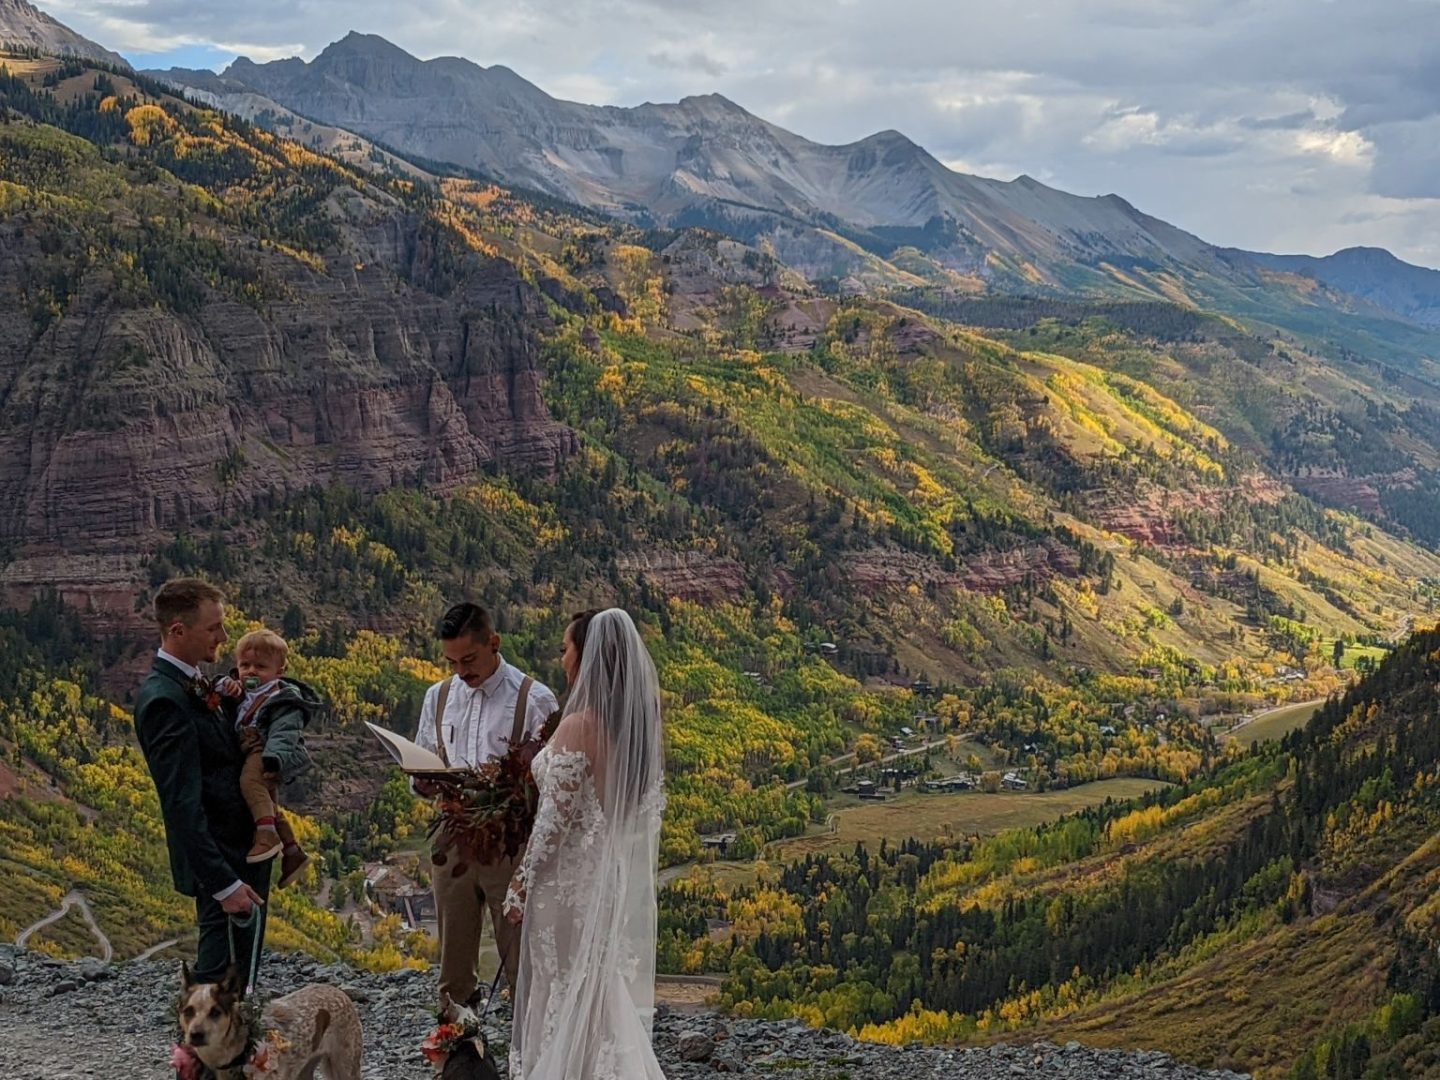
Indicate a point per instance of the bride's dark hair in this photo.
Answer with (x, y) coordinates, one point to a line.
(579, 626)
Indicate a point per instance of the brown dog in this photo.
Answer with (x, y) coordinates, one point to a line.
(315, 1026)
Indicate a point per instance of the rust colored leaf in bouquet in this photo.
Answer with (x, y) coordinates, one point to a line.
(488, 812)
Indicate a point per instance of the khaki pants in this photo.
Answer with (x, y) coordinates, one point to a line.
(464, 889)
(259, 794)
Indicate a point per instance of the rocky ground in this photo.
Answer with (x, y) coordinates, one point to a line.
(63, 1021)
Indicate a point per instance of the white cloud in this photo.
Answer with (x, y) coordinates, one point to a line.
(1342, 147)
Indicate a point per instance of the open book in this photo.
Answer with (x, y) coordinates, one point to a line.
(413, 758)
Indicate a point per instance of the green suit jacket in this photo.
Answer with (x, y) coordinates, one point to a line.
(194, 757)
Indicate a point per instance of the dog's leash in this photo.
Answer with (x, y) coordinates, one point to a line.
(495, 982)
(494, 989)
(245, 922)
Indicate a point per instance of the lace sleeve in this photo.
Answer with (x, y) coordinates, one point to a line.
(561, 810)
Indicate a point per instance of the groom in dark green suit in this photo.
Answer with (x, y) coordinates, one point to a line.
(195, 757)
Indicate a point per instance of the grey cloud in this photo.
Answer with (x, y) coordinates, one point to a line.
(1407, 159)
(697, 61)
(1289, 122)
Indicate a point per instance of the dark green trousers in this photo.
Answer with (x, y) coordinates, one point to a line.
(212, 956)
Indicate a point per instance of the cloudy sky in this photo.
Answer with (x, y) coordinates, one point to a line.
(1279, 125)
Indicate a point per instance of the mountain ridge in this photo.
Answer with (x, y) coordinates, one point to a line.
(341, 57)
(21, 23)
(832, 212)
(1374, 274)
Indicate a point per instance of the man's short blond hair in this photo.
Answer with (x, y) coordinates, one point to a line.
(266, 643)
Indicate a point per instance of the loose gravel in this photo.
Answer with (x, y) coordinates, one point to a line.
(70, 1021)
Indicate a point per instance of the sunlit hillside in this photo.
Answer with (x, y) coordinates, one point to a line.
(1047, 549)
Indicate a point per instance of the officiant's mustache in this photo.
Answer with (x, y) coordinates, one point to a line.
(473, 659)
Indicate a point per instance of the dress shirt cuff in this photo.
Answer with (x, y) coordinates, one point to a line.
(229, 891)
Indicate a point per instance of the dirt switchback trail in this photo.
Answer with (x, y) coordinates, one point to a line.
(74, 898)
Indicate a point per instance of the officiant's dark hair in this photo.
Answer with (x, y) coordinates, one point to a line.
(466, 618)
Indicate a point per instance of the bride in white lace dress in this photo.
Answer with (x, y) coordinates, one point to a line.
(586, 886)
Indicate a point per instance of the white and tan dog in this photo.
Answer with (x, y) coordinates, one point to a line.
(316, 1026)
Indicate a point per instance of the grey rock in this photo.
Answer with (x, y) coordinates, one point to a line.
(133, 1043)
(64, 986)
(694, 1046)
(22, 24)
(7, 975)
(727, 1059)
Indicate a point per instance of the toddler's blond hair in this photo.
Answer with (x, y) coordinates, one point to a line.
(265, 642)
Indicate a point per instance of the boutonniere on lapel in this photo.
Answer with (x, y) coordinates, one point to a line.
(206, 693)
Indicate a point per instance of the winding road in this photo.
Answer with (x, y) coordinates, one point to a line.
(153, 949)
(73, 899)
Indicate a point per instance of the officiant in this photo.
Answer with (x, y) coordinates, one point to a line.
(473, 717)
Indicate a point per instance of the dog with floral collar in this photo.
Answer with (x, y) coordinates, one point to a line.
(222, 1036)
(457, 1048)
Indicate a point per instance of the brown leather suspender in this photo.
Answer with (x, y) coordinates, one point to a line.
(517, 729)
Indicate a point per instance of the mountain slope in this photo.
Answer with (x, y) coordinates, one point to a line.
(1242, 921)
(353, 398)
(22, 24)
(1352, 434)
(317, 327)
(208, 89)
(1374, 275)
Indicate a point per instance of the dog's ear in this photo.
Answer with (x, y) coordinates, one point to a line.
(447, 1006)
(186, 979)
(230, 982)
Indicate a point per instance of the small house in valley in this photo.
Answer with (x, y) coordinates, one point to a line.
(718, 842)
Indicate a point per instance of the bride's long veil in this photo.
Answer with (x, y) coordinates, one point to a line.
(607, 936)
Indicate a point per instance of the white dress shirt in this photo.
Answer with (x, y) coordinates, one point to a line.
(185, 669)
(192, 672)
(477, 723)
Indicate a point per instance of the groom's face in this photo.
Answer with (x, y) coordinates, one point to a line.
(199, 640)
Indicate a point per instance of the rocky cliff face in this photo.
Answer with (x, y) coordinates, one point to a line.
(119, 427)
(21, 23)
(692, 576)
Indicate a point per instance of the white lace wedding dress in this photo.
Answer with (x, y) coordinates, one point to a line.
(585, 1000)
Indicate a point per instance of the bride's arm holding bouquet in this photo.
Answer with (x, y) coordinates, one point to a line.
(569, 759)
